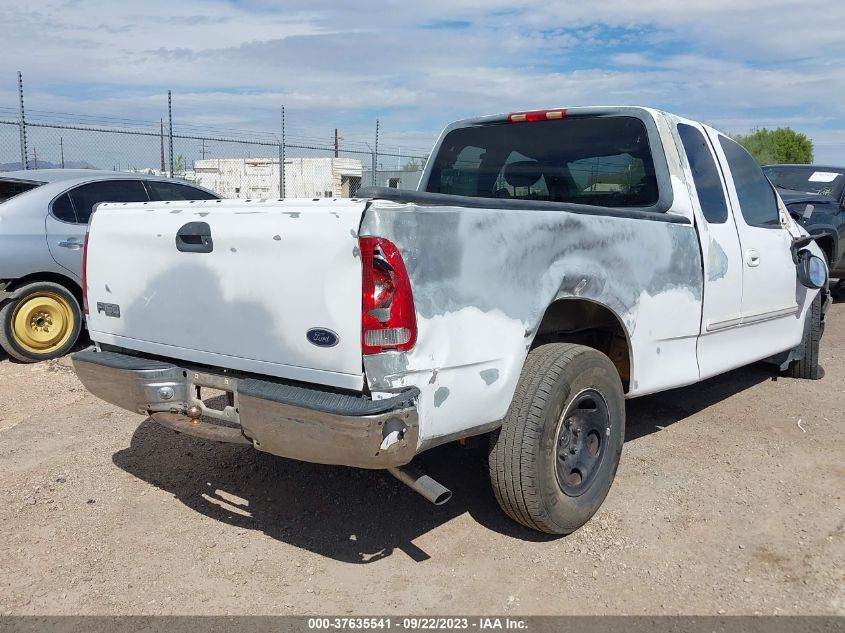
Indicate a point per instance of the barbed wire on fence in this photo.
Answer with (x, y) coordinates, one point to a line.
(234, 165)
(119, 124)
(233, 162)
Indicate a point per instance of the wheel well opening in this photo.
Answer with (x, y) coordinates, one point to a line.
(826, 244)
(591, 324)
(73, 287)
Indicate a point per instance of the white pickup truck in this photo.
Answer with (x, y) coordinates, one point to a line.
(551, 264)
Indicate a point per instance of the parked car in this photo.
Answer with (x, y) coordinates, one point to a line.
(550, 265)
(815, 197)
(43, 218)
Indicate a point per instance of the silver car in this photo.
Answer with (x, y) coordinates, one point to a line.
(44, 214)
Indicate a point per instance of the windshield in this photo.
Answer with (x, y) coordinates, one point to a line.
(604, 161)
(12, 188)
(821, 180)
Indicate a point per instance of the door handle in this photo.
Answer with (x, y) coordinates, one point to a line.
(194, 237)
(752, 257)
(70, 243)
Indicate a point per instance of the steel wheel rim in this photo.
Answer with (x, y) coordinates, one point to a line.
(581, 440)
(42, 322)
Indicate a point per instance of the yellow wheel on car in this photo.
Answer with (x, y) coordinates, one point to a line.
(41, 321)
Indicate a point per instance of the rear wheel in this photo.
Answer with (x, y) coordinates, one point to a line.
(42, 321)
(554, 459)
(808, 367)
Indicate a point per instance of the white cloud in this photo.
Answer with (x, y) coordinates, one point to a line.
(740, 62)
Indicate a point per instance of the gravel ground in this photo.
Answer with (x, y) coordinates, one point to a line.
(729, 499)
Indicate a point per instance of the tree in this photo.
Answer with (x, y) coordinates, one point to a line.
(414, 165)
(179, 165)
(782, 145)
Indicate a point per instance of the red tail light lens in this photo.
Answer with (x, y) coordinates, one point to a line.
(388, 318)
(383, 285)
(85, 274)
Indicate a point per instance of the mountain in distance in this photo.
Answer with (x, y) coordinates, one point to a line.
(44, 164)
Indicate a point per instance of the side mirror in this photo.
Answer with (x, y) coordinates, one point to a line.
(812, 271)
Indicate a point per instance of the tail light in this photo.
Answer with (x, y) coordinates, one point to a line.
(388, 319)
(85, 274)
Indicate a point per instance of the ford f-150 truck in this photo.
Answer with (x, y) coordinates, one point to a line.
(551, 264)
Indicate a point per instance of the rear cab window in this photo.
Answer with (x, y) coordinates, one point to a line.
(9, 188)
(592, 160)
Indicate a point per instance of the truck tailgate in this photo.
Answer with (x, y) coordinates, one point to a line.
(245, 299)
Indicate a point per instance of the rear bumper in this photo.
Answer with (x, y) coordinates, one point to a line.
(300, 422)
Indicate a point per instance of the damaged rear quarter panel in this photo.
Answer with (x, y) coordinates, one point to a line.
(483, 278)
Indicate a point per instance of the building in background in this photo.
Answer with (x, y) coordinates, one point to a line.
(394, 178)
(259, 177)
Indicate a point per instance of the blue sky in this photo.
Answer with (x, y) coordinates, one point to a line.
(415, 66)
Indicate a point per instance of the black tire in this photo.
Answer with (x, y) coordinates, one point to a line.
(50, 346)
(530, 457)
(808, 367)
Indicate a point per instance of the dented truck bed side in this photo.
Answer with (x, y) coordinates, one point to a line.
(481, 298)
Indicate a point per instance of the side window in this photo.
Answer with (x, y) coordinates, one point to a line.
(86, 196)
(756, 196)
(705, 174)
(63, 209)
(161, 190)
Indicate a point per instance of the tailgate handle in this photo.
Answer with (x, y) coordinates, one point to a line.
(194, 237)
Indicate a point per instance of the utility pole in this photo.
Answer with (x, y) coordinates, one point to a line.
(375, 156)
(161, 138)
(62, 150)
(335, 143)
(35, 158)
(202, 150)
(22, 123)
(170, 133)
(282, 157)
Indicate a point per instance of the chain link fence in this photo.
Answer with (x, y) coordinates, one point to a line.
(234, 164)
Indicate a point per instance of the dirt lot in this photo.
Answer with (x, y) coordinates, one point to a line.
(729, 499)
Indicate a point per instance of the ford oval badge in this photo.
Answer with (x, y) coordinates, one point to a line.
(321, 337)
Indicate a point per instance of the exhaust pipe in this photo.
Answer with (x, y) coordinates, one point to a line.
(421, 483)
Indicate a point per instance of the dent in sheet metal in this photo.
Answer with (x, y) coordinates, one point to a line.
(476, 270)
